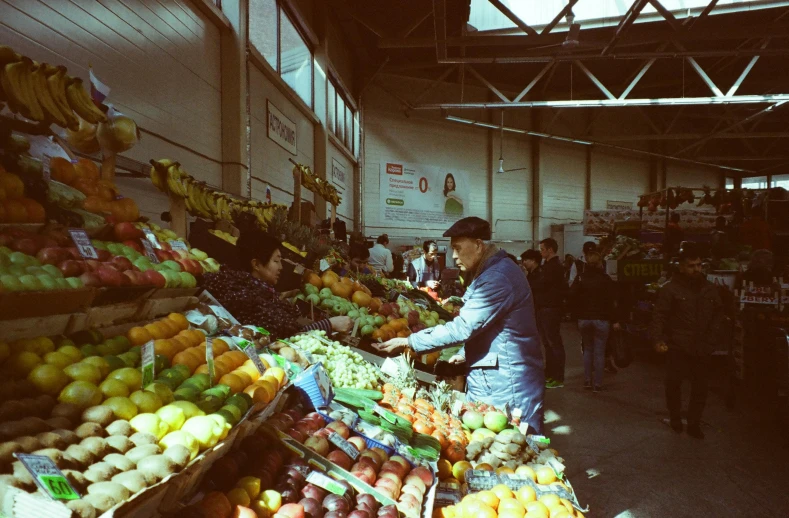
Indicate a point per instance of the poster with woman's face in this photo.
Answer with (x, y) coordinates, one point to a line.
(421, 194)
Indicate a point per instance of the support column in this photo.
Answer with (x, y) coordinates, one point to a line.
(653, 176)
(321, 133)
(491, 158)
(663, 175)
(588, 180)
(236, 176)
(536, 197)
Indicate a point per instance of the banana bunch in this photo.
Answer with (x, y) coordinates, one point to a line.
(203, 200)
(317, 185)
(44, 93)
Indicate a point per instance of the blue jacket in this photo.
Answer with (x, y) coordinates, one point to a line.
(502, 348)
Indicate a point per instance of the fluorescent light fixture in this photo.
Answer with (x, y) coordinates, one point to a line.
(459, 119)
(483, 124)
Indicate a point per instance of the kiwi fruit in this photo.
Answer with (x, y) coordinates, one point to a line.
(13, 429)
(158, 466)
(83, 457)
(142, 438)
(140, 452)
(51, 440)
(101, 502)
(21, 474)
(57, 456)
(10, 480)
(120, 427)
(86, 430)
(119, 443)
(43, 405)
(11, 410)
(98, 414)
(76, 479)
(68, 410)
(118, 461)
(7, 450)
(132, 480)
(179, 454)
(100, 472)
(82, 509)
(117, 491)
(68, 436)
(59, 422)
(28, 443)
(97, 445)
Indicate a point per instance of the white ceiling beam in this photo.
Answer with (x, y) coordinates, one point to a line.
(600, 103)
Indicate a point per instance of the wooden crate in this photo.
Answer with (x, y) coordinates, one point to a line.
(11, 330)
(28, 304)
(154, 308)
(104, 316)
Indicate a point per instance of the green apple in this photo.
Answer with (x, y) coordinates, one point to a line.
(98, 245)
(4, 250)
(19, 258)
(171, 278)
(75, 282)
(199, 254)
(171, 265)
(17, 270)
(11, 283)
(114, 248)
(4, 260)
(47, 281)
(30, 282)
(187, 280)
(143, 264)
(53, 270)
(34, 270)
(62, 284)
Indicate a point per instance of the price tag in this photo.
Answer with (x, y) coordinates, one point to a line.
(209, 359)
(258, 329)
(390, 367)
(151, 237)
(148, 363)
(178, 245)
(355, 327)
(249, 349)
(149, 253)
(347, 448)
(82, 241)
(322, 481)
(221, 312)
(299, 269)
(48, 477)
(324, 265)
(47, 174)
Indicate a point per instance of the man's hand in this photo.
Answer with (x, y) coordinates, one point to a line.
(395, 345)
(432, 284)
(457, 359)
(661, 347)
(341, 324)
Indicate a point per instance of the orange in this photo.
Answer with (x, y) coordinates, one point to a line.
(156, 330)
(169, 326)
(220, 346)
(489, 498)
(181, 343)
(35, 212)
(525, 495)
(246, 378)
(198, 337)
(164, 347)
(459, 470)
(179, 320)
(484, 466)
(537, 509)
(258, 394)
(444, 469)
(138, 335)
(279, 374)
(526, 471)
(511, 504)
(266, 376)
(184, 358)
(546, 475)
(237, 357)
(270, 385)
(502, 491)
(550, 500)
(235, 383)
(202, 369)
(251, 371)
(445, 512)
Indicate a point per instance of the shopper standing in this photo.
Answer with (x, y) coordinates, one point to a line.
(425, 270)
(579, 265)
(685, 325)
(551, 288)
(496, 324)
(593, 299)
(673, 237)
(381, 256)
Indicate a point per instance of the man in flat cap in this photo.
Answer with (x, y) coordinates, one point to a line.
(496, 324)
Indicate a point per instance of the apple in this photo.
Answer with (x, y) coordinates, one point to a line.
(319, 445)
(121, 263)
(109, 276)
(341, 428)
(134, 245)
(154, 278)
(47, 281)
(163, 255)
(26, 245)
(75, 282)
(11, 283)
(199, 254)
(104, 255)
(394, 477)
(424, 473)
(357, 441)
(91, 265)
(187, 280)
(297, 435)
(340, 458)
(71, 268)
(143, 264)
(51, 255)
(74, 252)
(90, 279)
(132, 278)
(30, 283)
(127, 231)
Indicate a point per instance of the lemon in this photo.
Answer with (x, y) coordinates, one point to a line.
(70, 351)
(48, 379)
(189, 408)
(184, 439)
(150, 423)
(23, 362)
(44, 345)
(147, 402)
(113, 388)
(173, 415)
(131, 377)
(80, 393)
(58, 359)
(122, 407)
(161, 390)
(99, 362)
(82, 371)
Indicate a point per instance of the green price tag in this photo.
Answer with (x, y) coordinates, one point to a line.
(58, 487)
(209, 359)
(48, 477)
(148, 363)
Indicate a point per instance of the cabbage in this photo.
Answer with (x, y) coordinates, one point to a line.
(118, 134)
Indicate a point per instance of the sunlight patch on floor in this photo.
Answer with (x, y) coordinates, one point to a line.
(551, 417)
(562, 430)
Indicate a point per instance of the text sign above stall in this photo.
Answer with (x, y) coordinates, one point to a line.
(425, 195)
(643, 270)
(618, 205)
(281, 129)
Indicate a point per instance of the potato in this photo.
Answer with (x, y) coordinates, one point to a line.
(118, 492)
(68, 410)
(89, 430)
(142, 438)
(97, 445)
(101, 502)
(179, 454)
(120, 427)
(82, 456)
(51, 440)
(119, 443)
(157, 465)
(100, 472)
(120, 462)
(140, 452)
(28, 443)
(76, 479)
(132, 480)
(68, 436)
(7, 450)
(98, 414)
(82, 509)
(59, 422)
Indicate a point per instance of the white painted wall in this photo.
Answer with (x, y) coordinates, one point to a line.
(161, 60)
(689, 175)
(617, 177)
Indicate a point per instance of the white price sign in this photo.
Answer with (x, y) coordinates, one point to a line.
(82, 241)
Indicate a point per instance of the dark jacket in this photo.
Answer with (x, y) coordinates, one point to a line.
(419, 272)
(593, 296)
(688, 317)
(502, 349)
(550, 286)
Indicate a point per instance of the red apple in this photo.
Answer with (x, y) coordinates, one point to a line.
(165, 245)
(363, 476)
(135, 244)
(104, 255)
(297, 434)
(358, 442)
(125, 231)
(163, 255)
(340, 427)
(291, 510)
(26, 245)
(389, 486)
(121, 263)
(90, 265)
(180, 254)
(402, 461)
(303, 427)
(90, 279)
(398, 482)
(367, 470)
(319, 445)
(109, 276)
(154, 278)
(51, 255)
(408, 489)
(340, 458)
(414, 480)
(381, 454)
(71, 268)
(74, 253)
(372, 457)
(425, 474)
(131, 278)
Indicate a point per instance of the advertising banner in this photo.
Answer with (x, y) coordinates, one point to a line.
(427, 195)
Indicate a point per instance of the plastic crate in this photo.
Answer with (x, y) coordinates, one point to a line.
(314, 386)
(371, 443)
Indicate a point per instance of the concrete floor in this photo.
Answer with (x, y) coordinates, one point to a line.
(645, 470)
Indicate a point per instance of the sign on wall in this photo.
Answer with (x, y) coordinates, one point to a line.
(425, 194)
(281, 129)
(339, 175)
(618, 205)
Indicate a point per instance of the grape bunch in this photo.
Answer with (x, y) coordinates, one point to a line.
(252, 301)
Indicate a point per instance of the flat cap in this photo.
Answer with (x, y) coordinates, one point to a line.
(473, 227)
